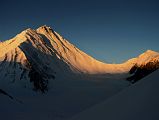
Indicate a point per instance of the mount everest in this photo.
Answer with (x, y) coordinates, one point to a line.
(42, 60)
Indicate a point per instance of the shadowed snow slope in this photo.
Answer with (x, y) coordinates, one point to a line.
(137, 102)
(38, 56)
(42, 60)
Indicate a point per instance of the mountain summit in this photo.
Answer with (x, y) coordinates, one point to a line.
(41, 61)
(36, 56)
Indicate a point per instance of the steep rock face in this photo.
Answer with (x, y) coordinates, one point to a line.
(146, 64)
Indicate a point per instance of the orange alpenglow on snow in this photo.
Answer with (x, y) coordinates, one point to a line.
(51, 43)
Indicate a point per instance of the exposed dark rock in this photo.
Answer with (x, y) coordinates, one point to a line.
(141, 71)
(39, 81)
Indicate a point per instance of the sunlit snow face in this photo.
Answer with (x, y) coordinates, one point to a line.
(111, 31)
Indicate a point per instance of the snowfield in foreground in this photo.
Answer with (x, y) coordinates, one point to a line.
(63, 100)
(137, 102)
(45, 77)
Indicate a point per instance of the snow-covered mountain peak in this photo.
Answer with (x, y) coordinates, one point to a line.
(146, 57)
(42, 60)
(47, 41)
(44, 54)
(151, 52)
(44, 26)
(77, 59)
(44, 29)
(25, 32)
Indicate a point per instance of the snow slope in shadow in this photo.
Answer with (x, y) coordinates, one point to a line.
(137, 102)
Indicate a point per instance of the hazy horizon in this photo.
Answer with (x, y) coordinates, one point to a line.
(110, 31)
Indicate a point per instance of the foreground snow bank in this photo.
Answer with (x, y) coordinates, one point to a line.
(137, 102)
